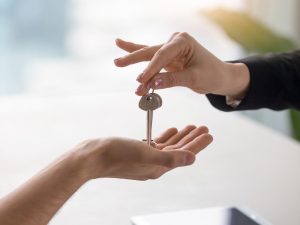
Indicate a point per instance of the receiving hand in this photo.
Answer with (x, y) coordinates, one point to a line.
(187, 64)
(132, 159)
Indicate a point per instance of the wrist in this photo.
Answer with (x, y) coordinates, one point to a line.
(237, 80)
(89, 158)
(75, 165)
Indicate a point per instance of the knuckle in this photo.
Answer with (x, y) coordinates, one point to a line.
(183, 39)
(160, 53)
(175, 34)
(172, 79)
(184, 35)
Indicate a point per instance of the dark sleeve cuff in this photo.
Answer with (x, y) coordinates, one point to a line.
(272, 81)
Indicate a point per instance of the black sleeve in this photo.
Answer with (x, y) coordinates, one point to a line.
(274, 83)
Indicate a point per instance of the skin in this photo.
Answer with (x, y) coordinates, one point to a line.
(37, 201)
(182, 61)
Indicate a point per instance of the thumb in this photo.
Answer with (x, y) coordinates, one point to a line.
(174, 158)
(171, 79)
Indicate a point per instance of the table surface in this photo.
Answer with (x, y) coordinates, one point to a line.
(247, 164)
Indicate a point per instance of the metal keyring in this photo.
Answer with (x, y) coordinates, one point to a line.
(153, 143)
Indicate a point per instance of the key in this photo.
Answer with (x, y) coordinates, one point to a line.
(149, 103)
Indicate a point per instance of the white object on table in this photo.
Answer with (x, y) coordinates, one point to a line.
(207, 216)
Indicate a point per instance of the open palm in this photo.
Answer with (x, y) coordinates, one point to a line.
(133, 159)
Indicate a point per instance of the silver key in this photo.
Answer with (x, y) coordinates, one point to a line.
(149, 103)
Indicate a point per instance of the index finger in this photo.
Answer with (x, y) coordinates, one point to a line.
(161, 59)
(166, 135)
(128, 46)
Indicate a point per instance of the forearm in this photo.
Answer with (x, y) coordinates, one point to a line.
(37, 201)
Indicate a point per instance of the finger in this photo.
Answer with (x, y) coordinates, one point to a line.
(172, 79)
(161, 58)
(191, 136)
(171, 159)
(181, 158)
(177, 137)
(198, 143)
(128, 46)
(142, 89)
(167, 80)
(166, 135)
(140, 55)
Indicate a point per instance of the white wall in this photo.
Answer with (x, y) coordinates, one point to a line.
(280, 15)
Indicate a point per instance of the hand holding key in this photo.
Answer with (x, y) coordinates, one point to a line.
(187, 64)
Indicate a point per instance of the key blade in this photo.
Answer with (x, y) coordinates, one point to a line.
(149, 126)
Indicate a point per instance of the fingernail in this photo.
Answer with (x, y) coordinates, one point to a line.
(158, 83)
(139, 77)
(116, 60)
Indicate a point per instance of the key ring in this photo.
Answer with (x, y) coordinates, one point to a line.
(153, 143)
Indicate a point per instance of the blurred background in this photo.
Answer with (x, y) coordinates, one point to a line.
(66, 47)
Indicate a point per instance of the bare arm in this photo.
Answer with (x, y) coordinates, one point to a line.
(36, 201)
